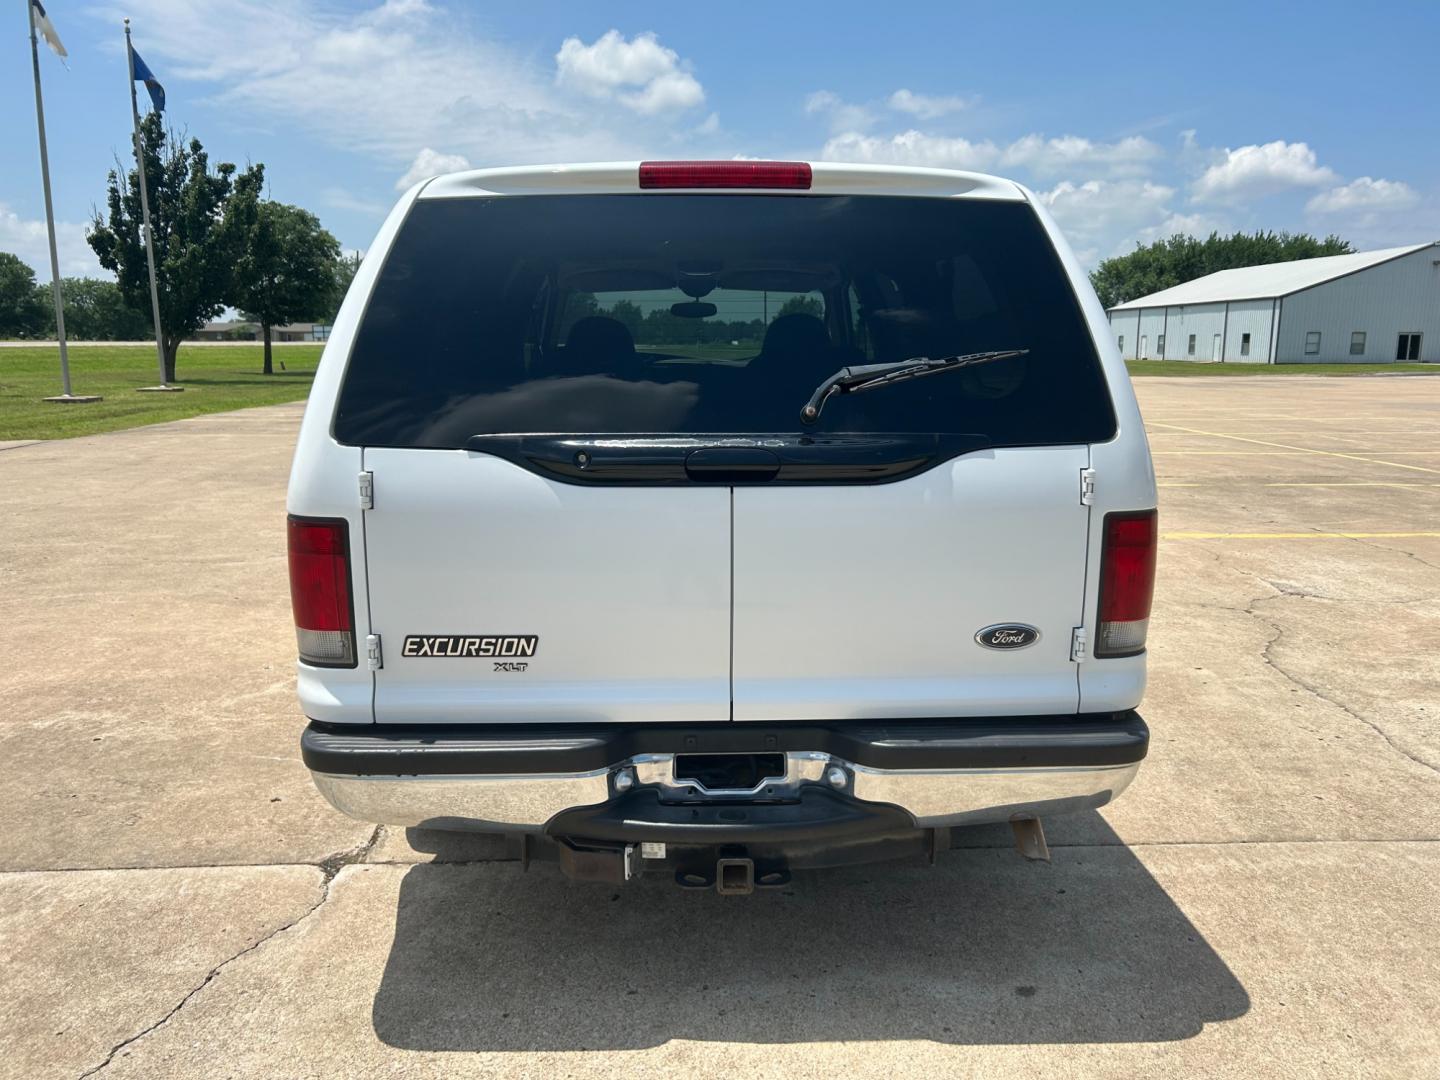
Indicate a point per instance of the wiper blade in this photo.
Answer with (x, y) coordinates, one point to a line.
(852, 380)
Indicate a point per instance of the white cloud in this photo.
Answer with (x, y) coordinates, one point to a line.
(709, 126)
(1070, 153)
(912, 148)
(389, 80)
(640, 73)
(27, 239)
(822, 101)
(1364, 195)
(340, 198)
(1255, 171)
(430, 163)
(1199, 225)
(1104, 217)
(843, 116)
(1035, 153)
(924, 105)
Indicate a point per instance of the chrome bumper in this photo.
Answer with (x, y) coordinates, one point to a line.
(525, 803)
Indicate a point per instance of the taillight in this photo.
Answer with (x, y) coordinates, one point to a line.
(319, 550)
(725, 174)
(1127, 583)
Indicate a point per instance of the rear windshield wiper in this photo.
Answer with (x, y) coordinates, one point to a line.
(851, 380)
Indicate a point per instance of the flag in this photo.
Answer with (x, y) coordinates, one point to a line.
(142, 72)
(47, 29)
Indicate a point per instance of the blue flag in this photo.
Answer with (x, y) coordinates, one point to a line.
(142, 72)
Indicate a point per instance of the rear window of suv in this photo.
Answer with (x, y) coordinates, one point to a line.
(696, 314)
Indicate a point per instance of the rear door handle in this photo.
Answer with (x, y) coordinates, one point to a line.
(731, 464)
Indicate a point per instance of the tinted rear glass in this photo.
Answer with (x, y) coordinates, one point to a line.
(693, 314)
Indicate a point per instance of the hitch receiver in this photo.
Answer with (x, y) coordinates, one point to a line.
(735, 877)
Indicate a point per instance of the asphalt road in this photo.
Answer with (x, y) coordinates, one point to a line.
(175, 899)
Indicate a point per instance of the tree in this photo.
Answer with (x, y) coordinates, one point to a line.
(802, 305)
(1178, 259)
(193, 215)
(345, 270)
(22, 302)
(627, 312)
(95, 311)
(287, 268)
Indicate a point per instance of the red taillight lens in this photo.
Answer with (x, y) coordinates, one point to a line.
(1127, 583)
(319, 550)
(725, 174)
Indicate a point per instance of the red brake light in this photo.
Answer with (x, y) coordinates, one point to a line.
(319, 550)
(725, 174)
(1127, 582)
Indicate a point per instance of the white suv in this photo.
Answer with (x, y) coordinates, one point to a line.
(721, 517)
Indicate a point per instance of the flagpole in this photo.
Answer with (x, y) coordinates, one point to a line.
(145, 215)
(66, 394)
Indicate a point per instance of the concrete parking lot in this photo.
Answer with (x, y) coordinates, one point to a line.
(176, 901)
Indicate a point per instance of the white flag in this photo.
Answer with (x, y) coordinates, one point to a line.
(47, 31)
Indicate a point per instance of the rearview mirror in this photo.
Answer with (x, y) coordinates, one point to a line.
(693, 309)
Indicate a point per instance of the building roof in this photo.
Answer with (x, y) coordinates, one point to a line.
(1264, 282)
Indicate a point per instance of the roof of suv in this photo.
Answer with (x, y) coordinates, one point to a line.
(828, 178)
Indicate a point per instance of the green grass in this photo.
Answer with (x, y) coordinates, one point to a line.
(1192, 368)
(222, 377)
(215, 377)
(703, 352)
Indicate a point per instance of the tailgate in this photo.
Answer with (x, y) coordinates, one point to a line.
(865, 601)
(624, 591)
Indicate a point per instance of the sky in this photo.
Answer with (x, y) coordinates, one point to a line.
(1131, 121)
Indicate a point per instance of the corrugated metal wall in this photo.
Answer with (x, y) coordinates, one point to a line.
(1402, 295)
(1248, 317)
(1191, 331)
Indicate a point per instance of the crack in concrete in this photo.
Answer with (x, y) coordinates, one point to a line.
(1279, 632)
(1396, 551)
(1282, 590)
(329, 867)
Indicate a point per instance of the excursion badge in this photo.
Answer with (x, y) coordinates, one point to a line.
(471, 646)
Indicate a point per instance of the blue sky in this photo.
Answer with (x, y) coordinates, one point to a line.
(1131, 121)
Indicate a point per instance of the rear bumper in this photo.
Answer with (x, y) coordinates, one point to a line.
(842, 780)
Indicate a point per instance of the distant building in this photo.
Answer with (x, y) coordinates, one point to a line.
(1369, 307)
(239, 330)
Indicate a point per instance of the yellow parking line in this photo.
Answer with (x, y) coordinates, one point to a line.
(1291, 535)
(1306, 449)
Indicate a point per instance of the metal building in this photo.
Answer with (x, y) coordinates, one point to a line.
(1369, 307)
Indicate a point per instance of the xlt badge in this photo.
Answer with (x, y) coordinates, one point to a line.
(470, 645)
(1008, 636)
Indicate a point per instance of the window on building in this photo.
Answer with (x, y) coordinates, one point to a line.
(1121, 342)
(1408, 347)
(1357, 343)
(1312, 343)
(1244, 344)
(1190, 346)
(1160, 345)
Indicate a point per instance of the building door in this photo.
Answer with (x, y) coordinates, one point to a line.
(1215, 349)
(1407, 347)
(1144, 346)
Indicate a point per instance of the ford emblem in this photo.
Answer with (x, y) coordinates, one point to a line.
(1008, 636)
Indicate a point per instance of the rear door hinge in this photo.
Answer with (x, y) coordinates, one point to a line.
(1077, 645)
(373, 658)
(1087, 487)
(367, 491)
